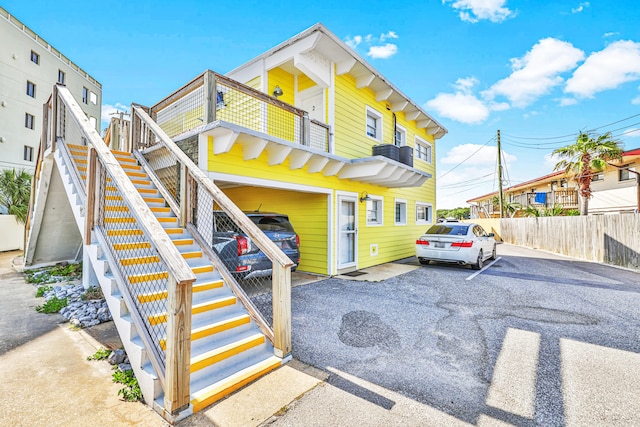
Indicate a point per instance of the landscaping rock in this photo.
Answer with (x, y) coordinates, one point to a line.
(117, 357)
(79, 312)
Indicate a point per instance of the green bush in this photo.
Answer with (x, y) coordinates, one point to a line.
(42, 290)
(101, 354)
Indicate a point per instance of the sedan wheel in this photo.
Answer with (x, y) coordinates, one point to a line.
(424, 261)
(493, 253)
(480, 263)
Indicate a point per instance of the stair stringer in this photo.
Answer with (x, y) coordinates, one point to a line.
(127, 329)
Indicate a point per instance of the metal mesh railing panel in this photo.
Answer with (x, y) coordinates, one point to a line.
(319, 136)
(184, 114)
(246, 109)
(167, 169)
(143, 272)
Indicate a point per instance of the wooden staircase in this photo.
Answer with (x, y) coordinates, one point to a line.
(228, 350)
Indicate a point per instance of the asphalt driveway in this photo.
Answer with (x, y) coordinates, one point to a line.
(535, 339)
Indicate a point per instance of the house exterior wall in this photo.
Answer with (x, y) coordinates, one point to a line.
(16, 68)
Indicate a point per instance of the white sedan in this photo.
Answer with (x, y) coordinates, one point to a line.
(456, 242)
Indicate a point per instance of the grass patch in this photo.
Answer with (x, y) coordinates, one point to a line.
(131, 391)
(101, 354)
(93, 292)
(55, 273)
(42, 289)
(54, 305)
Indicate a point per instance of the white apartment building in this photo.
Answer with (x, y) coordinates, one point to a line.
(29, 67)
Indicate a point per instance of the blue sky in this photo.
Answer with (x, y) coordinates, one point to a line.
(538, 71)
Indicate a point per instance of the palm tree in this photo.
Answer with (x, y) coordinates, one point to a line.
(585, 157)
(15, 191)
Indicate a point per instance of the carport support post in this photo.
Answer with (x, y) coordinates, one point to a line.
(281, 283)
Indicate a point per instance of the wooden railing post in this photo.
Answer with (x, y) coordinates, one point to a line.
(89, 209)
(210, 97)
(184, 197)
(54, 118)
(281, 300)
(178, 353)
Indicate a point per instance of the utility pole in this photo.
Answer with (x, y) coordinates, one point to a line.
(500, 195)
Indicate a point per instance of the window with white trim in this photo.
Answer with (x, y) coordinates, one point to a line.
(31, 89)
(93, 98)
(624, 174)
(374, 124)
(423, 150)
(61, 77)
(401, 212)
(28, 153)
(29, 119)
(400, 137)
(424, 213)
(374, 211)
(35, 58)
(85, 95)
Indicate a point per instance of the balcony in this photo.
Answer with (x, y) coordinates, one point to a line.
(566, 198)
(213, 105)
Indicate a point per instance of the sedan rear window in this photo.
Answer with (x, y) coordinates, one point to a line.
(450, 229)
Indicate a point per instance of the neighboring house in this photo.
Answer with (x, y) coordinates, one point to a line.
(29, 67)
(336, 146)
(614, 190)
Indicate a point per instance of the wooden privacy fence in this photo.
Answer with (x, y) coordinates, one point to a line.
(611, 239)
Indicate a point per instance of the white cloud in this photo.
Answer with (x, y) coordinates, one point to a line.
(376, 48)
(610, 34)
(388, 35)
(616, 64)
(632, 133)
(536, 72)
(478, 10)
(550, 161)
(353, 42)
(109, 111)
(580, 7)
(565, 102)
(461, 107)
(636, 100)
(486, 155)
(382, 52)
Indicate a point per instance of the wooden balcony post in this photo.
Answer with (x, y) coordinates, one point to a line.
(210, 97)
(89, 209)
(177, 394)
(281, 282)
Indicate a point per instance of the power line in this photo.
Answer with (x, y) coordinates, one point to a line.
(470, 180)
(472, 154)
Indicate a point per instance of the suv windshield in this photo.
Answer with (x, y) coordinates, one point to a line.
(450, 229)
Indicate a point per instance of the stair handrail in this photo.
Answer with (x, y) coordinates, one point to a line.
(281, 274)
(174, 377)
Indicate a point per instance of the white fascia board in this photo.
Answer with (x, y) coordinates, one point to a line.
(248, 73)
(269, 183)
(287, 53)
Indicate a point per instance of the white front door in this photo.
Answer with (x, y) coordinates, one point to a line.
(312, 101)
(347, 232)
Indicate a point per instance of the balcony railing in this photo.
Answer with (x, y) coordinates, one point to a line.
(213, 97)
(568, 199)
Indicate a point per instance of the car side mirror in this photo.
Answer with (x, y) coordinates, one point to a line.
(491, 234)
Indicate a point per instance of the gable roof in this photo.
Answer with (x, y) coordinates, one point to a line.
(319, 40)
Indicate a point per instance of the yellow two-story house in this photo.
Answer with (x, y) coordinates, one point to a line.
(311, 130)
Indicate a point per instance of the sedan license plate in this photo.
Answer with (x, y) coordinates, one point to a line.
(438, 245)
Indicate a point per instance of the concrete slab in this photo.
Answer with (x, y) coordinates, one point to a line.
(380, 272)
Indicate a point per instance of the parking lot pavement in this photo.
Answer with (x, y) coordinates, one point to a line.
(536, 339)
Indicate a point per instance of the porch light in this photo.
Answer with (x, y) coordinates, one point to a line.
(364, 197)
(277, 91)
